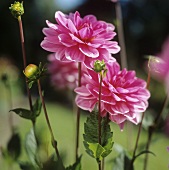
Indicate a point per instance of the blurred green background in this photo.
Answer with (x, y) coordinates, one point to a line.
(146, 27)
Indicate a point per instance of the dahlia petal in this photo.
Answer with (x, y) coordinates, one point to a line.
(122, 90)
(82, 91)
(119, 119)
(89, 51)
(76, 38)
(51, 25)
(49, 46)
(74, 54)
(85, 33)
(77, 20)
(49, 32)
(112, 47)
(61, 18)
(72, 27)
(85, 104)
(66, 40)
(54, 40)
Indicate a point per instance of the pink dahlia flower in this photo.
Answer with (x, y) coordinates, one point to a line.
(62, 74)
(123, 96)
(79, 39)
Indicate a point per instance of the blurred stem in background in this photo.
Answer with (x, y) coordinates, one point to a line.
(8, 91)
(141, 123)
(78, 114)
(54, 142)
(152, 128)
(120, 31)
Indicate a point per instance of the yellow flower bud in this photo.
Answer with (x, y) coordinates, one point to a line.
(31, 70)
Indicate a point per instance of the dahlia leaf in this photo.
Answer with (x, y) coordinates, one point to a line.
(76, 165)
(144, 152)
(27, 114)
(52, 163)
(31, 148)
(93, 148)
(37, 107)
(24, 113)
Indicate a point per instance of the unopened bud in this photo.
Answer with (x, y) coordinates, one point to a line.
(155, 64)
(17, 9)
(99, 66)
(31, 70)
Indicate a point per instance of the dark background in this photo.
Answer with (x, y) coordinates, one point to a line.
(146, 26)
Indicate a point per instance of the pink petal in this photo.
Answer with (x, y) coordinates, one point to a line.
(61, 18)
(89, 51)
(49, 46)
(85, 104)
(74, 54)
(66, 40)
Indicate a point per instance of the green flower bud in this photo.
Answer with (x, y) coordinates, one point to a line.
(99, 66)
(31, 70)
(17, 9)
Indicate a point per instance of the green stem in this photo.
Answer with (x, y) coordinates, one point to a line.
(140, 127)
(120, 31)
(78, 114)
(99, 116)
(152, 129)
(25, 64)
(54, 142)
(24, 60)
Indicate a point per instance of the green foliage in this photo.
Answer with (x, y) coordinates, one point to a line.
(31, 148)
(27, 114)
(76, 165)
(123, 162)
(52, 164)
(26, 166)
(14, 146)
(144, 152)
(93, 148)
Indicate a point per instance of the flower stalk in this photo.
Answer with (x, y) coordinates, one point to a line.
(153, 128)
(54, 142)
(99, 116)
(140, 125)
(78, 114)
(120, 31)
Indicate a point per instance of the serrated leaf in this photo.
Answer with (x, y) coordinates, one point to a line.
(37, 107)
(52, 164)
(31, 147)
(76, 165)
(24, 113)
(96, 150)
(14, 146)
(93, 148)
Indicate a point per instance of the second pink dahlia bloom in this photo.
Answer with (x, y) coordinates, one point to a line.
(123, 96)
(79, 39)
(62, 74)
